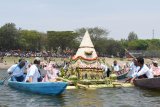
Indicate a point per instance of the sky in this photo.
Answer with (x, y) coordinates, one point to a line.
(119, 17)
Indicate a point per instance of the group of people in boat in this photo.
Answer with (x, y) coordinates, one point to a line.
(139, 69)
(26, 72)
(115, 68)
(136, 69)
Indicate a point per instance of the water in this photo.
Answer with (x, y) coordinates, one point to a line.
(106, 97)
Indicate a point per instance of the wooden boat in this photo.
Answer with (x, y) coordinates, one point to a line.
(151, 83)
(49, 88)
(122, 73)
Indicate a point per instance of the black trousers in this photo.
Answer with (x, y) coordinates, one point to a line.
(19, 79)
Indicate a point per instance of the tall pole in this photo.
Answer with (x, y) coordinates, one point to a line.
(153, 34)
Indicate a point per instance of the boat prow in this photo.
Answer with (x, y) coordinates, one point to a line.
(49, 88)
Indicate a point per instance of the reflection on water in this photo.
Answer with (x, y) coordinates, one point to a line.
(106, 97)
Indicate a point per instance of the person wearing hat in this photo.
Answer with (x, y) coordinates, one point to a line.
(33, 73)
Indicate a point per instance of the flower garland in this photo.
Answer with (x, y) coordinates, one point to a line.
(80, 57)
(88, 62)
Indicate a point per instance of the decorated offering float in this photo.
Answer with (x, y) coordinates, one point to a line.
(86, 70)
(86, 60)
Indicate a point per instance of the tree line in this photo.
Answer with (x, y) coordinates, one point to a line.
(67, 42)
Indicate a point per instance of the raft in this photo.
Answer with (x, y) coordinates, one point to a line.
(96, 86)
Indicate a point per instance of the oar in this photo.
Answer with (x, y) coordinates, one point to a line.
(5, 78)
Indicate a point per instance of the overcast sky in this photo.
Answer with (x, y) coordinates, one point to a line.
(118, 16)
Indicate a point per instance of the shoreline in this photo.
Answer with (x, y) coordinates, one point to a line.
(9, 61)
(5, 66)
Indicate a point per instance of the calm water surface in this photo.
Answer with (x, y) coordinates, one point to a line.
(106, 97)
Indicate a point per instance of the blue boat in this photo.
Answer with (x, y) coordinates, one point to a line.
(48, 88)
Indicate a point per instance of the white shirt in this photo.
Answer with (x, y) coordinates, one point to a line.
(15, 70)
(104, 67)
(133, 70)
(27, 76)
(34, 73)
(53, 73)
(145, 70)
(116, 68)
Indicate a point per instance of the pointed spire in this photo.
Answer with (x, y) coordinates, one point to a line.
(86, 41)
(85, 47)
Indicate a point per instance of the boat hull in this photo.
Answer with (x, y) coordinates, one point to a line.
(49, 88)
(150, 83)
(122, 74)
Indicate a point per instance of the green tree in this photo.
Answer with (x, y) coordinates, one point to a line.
(31, 40)
(138, 45)
(61, 40)
(154, 44)
(9, 35)
(95, 33)
(132, 36)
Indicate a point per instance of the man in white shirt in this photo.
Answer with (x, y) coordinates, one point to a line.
(115, 66)
(144, 71)
(17, 71)
(133, 69)
(33, 73)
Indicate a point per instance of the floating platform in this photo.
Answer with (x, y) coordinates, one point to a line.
(113, 85)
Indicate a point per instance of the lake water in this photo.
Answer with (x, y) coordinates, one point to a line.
(105, 97)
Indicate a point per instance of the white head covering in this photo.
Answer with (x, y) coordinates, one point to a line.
(37, 58)
(155, 61)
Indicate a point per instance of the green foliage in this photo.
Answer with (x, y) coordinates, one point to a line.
(13, 38)
(31, 40)
(132, 36)
(8, 36)
(96, 33)
(62, 72)
(61, 39)
(154, 44)
(138, 45)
